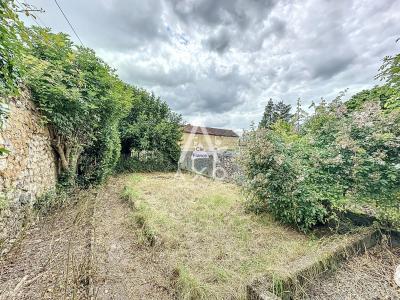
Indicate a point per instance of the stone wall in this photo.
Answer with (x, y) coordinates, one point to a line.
(220, 165)
(28, 170)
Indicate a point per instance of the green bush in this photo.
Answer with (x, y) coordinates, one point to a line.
(12, 38)
(49, 201)
(146, 161)
(152, 130)
(99, 160)
(82, 101)
(337, 158)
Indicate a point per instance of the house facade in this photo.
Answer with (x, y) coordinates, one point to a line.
(208, 139)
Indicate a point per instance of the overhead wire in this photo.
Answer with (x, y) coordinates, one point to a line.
(69, 23)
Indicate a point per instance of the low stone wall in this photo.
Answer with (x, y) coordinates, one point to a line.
(220, 165)
(28, 170)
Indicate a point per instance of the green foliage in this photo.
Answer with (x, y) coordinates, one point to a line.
(11, 48)
(337, 157)
(152, 128)
(50, 201)
(98, 160)
(387, 97)
(267, 118)
(146, 161)
(12, 37)
(274, 112)
(81, 99)
(390, 72)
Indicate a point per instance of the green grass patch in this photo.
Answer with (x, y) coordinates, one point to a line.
(129, 194)
(205, 229)
(188, 287)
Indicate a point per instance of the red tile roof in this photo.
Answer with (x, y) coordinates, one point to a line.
(209, 130)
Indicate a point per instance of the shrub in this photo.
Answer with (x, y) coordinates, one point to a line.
(99, 160)
(50, 200)
(152, 131)
(337, 158)
(281, 180)
(82, 101)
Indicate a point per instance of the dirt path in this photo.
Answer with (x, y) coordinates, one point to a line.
(85, 251)
(126, 269)
(369, 276)
(53, 259)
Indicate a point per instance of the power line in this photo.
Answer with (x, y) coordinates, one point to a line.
(70, 25)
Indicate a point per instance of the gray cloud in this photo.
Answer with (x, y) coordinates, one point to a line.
(211, 13)
(218, 62)
(219, 42)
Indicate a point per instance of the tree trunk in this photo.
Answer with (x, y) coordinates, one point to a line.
(68, 154)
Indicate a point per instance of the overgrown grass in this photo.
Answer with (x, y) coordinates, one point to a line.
(143, 215)
(3, 204)
(188, 286)
(50, 201)
(204, 232)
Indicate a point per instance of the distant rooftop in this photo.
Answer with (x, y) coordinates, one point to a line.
(209, 130)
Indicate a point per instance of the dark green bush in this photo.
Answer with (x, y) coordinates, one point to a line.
(146, 161)
(82, 101)
(99, 160)
(152, 130)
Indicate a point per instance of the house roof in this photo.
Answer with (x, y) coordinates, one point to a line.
(209, 130)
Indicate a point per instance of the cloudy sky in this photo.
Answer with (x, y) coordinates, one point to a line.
(217, 62)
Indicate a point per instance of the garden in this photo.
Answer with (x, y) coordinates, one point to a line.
(304, 172)
(200, 230)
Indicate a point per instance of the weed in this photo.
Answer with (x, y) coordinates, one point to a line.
(188, 287)
(3, 204)
(50, 200)
(129, 195)
(142, 216)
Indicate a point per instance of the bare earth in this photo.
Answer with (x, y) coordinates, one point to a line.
(126, 269)
(369, 276)
(53, 260)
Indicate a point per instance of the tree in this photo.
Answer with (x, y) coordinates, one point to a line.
(299, 116)
(390, 72)
(267, 118)
(274, 112)
(282, 112)
(12, 38)
(384, 95)
(79, 96)
(151, 126)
